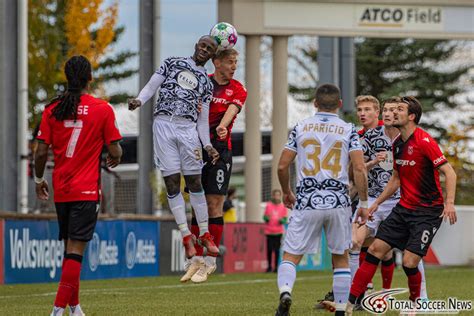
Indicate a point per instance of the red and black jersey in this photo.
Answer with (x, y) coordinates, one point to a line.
(222, 96)
(362, 131)
(417, 161)
(77, 147)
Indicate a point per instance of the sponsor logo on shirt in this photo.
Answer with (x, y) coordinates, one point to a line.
(403, 162)
(187, 80)
(438, 160)
(219, 100)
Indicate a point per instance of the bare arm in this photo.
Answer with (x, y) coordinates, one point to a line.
(449, 213)
(114, 155)
(286, 158)
(229, 115)
(360, 173)
(41, 157)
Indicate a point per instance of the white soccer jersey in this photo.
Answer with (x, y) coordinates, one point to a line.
(375, 140)
(185, 85)
(322, 143)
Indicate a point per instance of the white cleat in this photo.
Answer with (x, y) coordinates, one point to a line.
(57, 311)
(201, 275)
(76, 311)
(192, 269)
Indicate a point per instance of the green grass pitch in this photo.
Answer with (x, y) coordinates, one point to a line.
(238, 294)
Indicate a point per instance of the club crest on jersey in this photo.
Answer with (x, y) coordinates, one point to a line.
(410, 150)
(228, 92)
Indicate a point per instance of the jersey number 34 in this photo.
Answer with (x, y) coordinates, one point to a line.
(331, 161)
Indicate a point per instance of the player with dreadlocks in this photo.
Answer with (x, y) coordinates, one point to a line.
(76, 126)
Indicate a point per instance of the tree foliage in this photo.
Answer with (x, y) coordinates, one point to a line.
(59, 29)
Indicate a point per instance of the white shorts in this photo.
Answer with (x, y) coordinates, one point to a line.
(382, 213)
(305, 230)
(176, 145)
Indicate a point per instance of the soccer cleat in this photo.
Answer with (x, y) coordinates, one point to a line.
(57, 311)
(188, 242)
(285, 304)
(206, 241)
(76, 311)
(192, 269)
(328, 297)
(201, 275)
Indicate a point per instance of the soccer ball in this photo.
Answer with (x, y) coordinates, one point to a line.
(225, 35)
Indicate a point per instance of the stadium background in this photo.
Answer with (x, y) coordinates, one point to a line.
(132, 240)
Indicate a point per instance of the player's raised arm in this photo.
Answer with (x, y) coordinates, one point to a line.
(148, 90)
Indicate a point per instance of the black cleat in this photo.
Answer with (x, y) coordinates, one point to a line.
(357, 308)
(284, 306)
(329, 298)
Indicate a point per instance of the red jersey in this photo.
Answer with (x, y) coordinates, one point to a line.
(222, 96)
(362, 131)
(416, 161)
(77, 147)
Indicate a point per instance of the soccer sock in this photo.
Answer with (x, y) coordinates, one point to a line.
(340, 286)
(414, 282)
(216, 227)
(387, 268)
(354, 256)
(363, 254)
(70, 276)
(286, 276)
(195, 231)
(178, 208)
(198, 202)
(363, 276)
(423, 291)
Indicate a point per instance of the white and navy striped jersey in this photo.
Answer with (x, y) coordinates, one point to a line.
(322, 143)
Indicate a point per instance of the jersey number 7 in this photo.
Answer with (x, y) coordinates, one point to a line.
(331, 161)
(77, 128)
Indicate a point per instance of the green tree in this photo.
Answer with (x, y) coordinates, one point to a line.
(59, 29)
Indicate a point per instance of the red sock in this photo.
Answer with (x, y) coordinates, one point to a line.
(414, 282)
(387, 268)
(362, 255)
(216, 227)
(75, 296)
(363, 276)
(69, 282)
(195, 231)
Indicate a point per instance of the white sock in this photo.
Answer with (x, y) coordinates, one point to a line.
(286, 276)
(57, 311)
(354, 261)
(341, 285)
(198, 202)
(423, 292)
(197, 259)
(210, 261)
(178, 208)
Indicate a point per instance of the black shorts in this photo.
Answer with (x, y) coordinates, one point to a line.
(410, 230)
(77, 219)
(216, 178)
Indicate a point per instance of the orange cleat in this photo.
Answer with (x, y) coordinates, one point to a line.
(188, 242)
(206, 240)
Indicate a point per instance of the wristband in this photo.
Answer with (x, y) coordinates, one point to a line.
(39, 180)
(364, 204)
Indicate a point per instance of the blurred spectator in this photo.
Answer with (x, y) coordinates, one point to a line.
(275, 217)
(230, 213)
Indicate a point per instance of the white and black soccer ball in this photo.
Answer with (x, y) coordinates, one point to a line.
(225, 35)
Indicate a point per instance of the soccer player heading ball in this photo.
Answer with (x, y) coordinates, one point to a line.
(180, 125)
